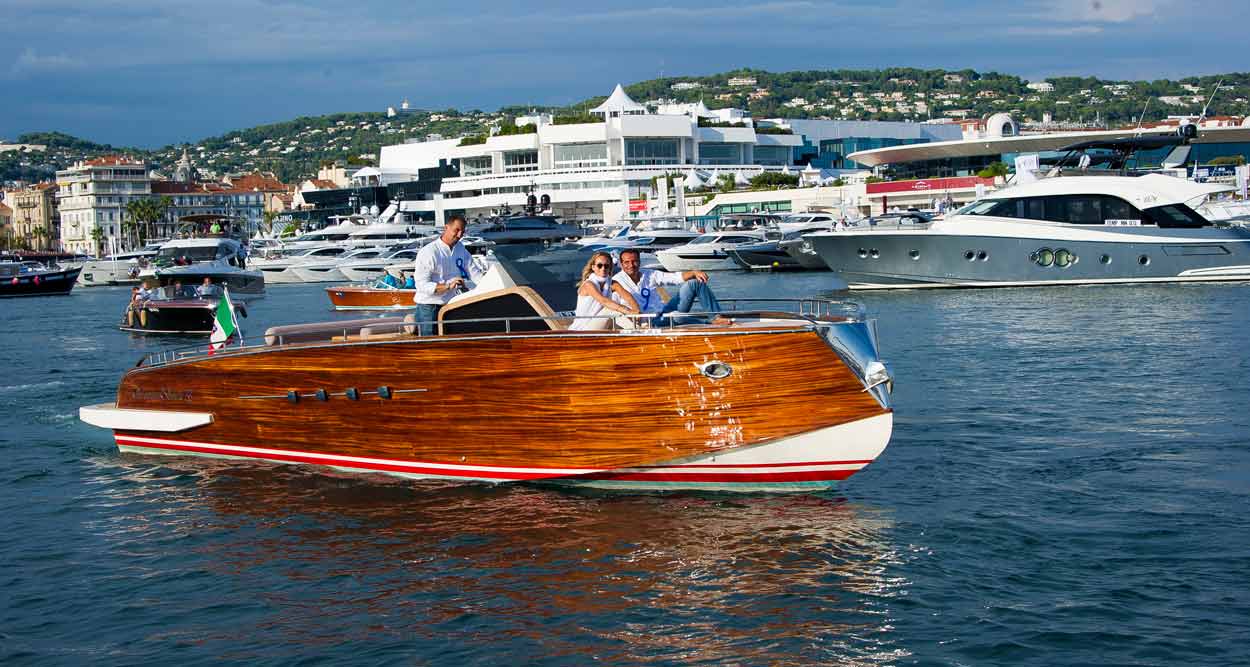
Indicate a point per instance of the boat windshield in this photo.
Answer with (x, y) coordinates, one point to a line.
(706, 238)
(194, 253)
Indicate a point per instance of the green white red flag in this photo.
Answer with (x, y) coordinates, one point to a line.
(225, 326)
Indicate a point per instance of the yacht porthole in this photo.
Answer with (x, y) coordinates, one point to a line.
(1105, 259)
(1144, 260)
(915, 254)
(874, 253)
(969, 255)
(1063, 258)
(1044, 257)
(982, 255)
(863, 254)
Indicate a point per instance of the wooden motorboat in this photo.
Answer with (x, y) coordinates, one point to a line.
(33, 279)
(503, 391)
(363, 297)
(183, 313)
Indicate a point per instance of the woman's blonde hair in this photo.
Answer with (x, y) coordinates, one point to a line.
(590, 265)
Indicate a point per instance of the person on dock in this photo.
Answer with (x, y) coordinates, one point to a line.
(643, 285)
(598, 294)
(443, 269)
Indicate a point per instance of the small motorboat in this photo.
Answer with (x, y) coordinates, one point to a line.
(364, 297)
(34, 279)
(790, 396)
(181, 310)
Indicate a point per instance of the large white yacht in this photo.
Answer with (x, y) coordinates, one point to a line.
(710, 252)
(221, 259)
(118, 269)
(280, 268)
(327, 270)
(1060, 230)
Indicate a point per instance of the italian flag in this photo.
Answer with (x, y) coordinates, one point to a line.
(224, 324)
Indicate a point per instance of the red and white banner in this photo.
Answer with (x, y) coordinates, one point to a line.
(928, 184)
(637, 205)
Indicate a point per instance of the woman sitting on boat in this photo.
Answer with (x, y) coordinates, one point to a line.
(594, 295)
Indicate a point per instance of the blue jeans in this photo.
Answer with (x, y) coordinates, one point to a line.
(427, 316)
(690, 290)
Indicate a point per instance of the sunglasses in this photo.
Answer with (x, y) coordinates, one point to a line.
(603, 266)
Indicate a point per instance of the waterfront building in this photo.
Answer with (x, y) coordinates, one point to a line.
(92, 196)
(590, 170)
(186, 199)
(6, 224)
(35, 219)
(1000, 139)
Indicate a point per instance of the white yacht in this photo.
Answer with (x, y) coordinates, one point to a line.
(327, 270)
(221, 259)
(118, 269)
(710, 252)
(280, 269)
(1057, 231)
(370, 269)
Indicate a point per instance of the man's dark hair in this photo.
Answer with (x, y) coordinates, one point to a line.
(637, 253)
(457, 217)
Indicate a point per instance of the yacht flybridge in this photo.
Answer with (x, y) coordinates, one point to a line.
(1079, 229)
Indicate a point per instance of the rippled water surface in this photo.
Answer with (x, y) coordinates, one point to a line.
(1068, 483)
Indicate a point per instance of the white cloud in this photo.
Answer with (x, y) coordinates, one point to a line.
(29, 61)
(1108, 11)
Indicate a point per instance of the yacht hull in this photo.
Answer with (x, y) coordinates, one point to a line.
(891, 261)
(368, 298)
(42, 283)
(674, 259)
(530, 407)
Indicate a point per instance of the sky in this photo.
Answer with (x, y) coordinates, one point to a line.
(149, 74)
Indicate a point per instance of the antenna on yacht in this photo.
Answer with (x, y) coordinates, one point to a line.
(1142, 117)
(1209, 101)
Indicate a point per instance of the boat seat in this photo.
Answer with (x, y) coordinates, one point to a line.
(518, 301)
(326, 331)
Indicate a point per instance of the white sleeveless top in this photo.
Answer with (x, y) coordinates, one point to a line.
(587, 307)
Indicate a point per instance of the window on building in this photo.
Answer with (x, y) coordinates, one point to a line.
(570, 156)
(651, 151)
(720, 153)
(520, 161)
(772, 155)
(475, 166)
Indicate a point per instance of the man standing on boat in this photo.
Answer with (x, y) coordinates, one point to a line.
(643, 285)
(442, 270)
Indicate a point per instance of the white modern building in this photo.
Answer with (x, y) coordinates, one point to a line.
(93, 195)
(590, 169)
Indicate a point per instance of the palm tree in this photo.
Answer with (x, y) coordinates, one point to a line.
(145, 212)
(97, 236)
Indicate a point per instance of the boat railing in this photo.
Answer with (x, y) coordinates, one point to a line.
(819, 312)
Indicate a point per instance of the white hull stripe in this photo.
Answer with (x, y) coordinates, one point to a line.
(1183, 278)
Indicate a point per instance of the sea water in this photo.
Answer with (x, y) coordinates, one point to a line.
(1068, 483)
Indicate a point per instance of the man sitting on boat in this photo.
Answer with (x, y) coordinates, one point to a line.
(387, 281)
(207, 289)
(643, 285)
(598, 294)
(443, 269)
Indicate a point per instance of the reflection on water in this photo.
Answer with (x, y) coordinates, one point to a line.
(622, 578)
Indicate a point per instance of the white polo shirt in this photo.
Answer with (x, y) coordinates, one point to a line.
(645, 291)
(438, 263)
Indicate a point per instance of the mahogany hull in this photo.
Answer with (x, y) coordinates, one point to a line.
(599, 409)
(368, 298)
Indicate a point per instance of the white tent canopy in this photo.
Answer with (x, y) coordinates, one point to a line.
(619, 104)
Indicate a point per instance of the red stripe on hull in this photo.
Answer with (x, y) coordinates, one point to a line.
(412, 468)
(634, 475)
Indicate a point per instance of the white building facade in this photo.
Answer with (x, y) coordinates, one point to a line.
(589, 169)
(93, 195)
